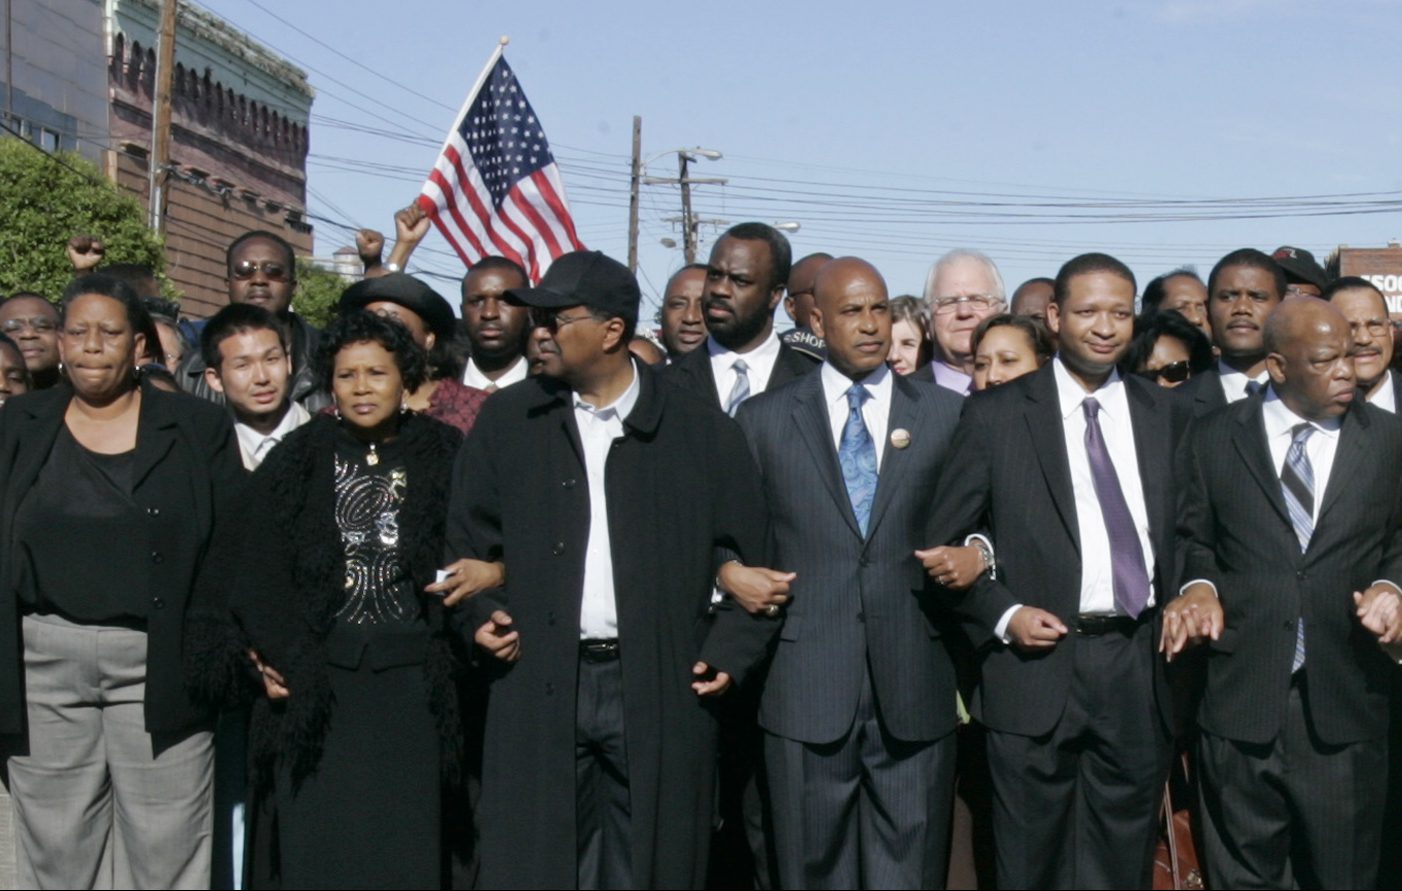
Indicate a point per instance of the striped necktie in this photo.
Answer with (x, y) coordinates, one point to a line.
(1297, 485)
(741, 391)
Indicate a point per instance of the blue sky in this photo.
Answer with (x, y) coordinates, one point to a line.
(858, 119)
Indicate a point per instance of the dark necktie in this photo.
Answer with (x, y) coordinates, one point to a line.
(1254, 388)
(1297, 485)
(1131, 578)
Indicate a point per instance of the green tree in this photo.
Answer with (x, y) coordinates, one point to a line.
(317, 293)
(45, 199)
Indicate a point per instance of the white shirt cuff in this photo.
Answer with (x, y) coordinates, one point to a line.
(1000, 630)
(993, 555)
(1389, 583)
(1198, 582)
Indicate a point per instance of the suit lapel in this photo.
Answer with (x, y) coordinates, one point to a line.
(810, 416)
(156, 432)
(1249, 440)
(894, 462)
(41, 429)
(1152, 443)
(1354, 438)
(1045, 430)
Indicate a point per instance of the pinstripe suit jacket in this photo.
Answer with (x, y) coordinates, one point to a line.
(1205, 390)
(1009, 469)
(856, 601)
(1234, 531)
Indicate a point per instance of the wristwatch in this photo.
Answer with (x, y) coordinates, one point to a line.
(986, 552)
(392, 267)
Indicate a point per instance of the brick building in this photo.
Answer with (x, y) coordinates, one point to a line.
(238, 149)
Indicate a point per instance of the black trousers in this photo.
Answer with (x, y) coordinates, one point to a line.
(1078, 807)
(1293, 813)
(602, 810)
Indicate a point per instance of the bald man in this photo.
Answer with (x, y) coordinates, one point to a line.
(1293, 757)
(858, 708)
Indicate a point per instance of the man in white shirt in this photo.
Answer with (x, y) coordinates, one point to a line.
(745, 281)
(963, 288)
(1365, 309)
(1243, 289)
(1291, 539)
(1070, 471)
(496, 330)
(247, 359)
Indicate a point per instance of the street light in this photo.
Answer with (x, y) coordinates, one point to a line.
(684, 157)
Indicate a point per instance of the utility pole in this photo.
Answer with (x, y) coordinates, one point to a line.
(160, 116)
(633, 193)
(684, 159)
(688, 224)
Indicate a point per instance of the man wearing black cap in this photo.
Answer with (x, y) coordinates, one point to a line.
(1303, 275)
(607, 647)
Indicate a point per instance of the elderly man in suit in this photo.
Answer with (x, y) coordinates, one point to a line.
(1291, 539)
(1242, 290)
(1069, 468)
(1365, 309)
(858, 708)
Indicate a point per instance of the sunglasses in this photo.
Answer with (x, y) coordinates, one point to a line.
(1173, 372)
(272, 270)
(551, 320)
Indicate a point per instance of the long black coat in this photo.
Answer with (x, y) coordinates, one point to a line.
(187, 473)
(680, 481)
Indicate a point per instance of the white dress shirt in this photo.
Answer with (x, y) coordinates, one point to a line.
(598, 428)
(1320, 447)
(876, 411)
(1234, 382)
(760, 362)
(254, 446)
(1097, 577)
(473, 376)
(1386, 397)
(951, 378)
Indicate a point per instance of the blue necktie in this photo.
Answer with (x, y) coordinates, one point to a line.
(1297, 485)
(857, 456)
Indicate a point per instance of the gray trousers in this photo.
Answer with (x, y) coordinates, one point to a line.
(99, 802)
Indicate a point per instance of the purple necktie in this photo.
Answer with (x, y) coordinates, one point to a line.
(1126, 555)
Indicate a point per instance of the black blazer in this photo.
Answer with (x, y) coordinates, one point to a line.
(1205, 391)
(856, 602)
(1234, 531)
(693, 371)
(1008, 470)
(186, 472)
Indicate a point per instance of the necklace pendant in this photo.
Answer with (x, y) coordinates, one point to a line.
(373, 457)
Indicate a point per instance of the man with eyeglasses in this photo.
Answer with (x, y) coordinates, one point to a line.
(964, 287)
(32, 323)
(1304, 277)
(1365, 309)
(262, 272)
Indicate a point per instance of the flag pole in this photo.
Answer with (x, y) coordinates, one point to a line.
(476, 88)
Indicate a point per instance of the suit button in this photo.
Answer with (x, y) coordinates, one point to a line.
(1302, 575)
(1287, 624)
(156, 557)
(569, 484)
(861, 617)
(153, 511)
(865, 561)
(158, 603)
(550, 618)
(558, 549)
(549, 689)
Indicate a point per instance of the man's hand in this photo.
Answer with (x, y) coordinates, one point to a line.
(1188, 618)
(466, 578)
(273, 684)
(497, 637)
(370, 245)
(955, 568)
(1380, 610)
(85, 252)
(757, 589)
(410, 224)
(709, 682)
(1035, 629)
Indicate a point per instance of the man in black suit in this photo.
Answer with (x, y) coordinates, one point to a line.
(1293, 755)
(743, 356)
(858, 706)
(1069, 469)
(1242, 290)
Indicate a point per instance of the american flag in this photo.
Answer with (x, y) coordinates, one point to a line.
(496, 188)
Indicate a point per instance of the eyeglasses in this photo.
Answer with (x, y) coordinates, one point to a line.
(551, 320)
(1173, 372)
(1374, 327)
(272, 270)
(943, 306)
(38, 324)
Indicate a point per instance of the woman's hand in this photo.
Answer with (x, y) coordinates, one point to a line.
(273, 684)
(464, 578)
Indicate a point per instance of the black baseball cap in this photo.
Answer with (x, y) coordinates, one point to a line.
(406, 291)
(584, 278)
(1299, 265)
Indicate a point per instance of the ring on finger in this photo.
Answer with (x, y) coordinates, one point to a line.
(772, 610)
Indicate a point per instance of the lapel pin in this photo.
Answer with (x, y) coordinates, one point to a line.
(900, 437)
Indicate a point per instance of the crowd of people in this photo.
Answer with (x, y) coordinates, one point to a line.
(928, 590)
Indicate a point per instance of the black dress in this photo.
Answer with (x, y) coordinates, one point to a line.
(330, 593)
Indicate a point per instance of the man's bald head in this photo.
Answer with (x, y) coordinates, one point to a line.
(798, 302)
(852, 313)
(1310, 357)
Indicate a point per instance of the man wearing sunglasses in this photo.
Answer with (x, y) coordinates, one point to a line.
(606, 490)
(262, 272)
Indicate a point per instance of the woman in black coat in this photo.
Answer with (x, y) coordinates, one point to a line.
(111, 493)
(344, 534)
